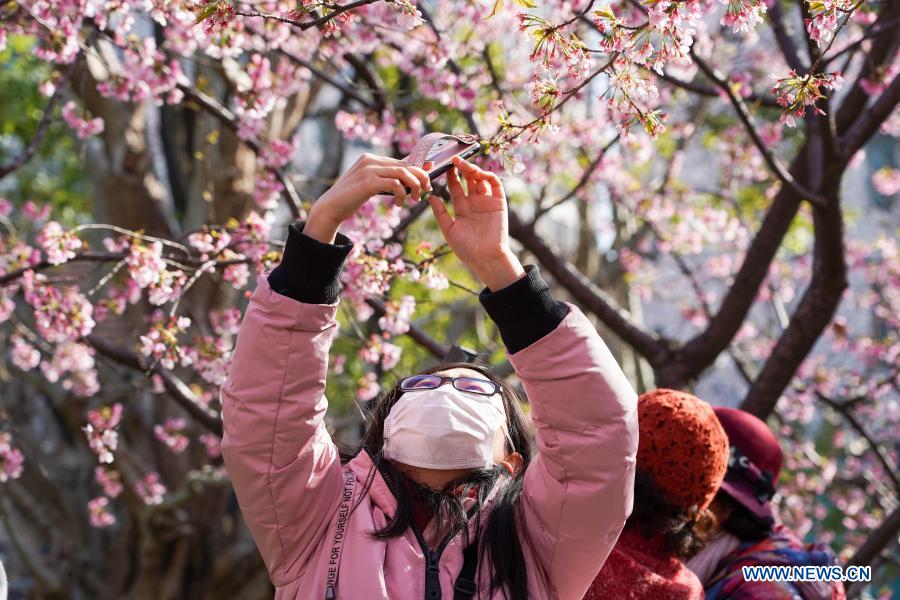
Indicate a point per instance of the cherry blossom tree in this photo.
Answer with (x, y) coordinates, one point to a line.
(681, 170)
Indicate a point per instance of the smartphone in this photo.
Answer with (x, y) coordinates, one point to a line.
(441, 154)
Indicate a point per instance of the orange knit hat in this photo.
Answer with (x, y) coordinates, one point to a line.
(682, 446)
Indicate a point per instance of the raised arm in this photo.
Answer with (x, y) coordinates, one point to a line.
(578, 491)
(282, 463)
(281, 460)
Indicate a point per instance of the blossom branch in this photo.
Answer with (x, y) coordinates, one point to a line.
(336, 11)
(437, 349)
(876, 30)
(454, 67)
(226, 117)
(878, 540)
(772, 161)
(882, 51)
(697, 88)
(89, 256)
(846, 412)
(319, 73)
(867, 124)
(568, 95)
(46, 118)
(815, 310)
(95, 256)
(176, 388)
(585, 177)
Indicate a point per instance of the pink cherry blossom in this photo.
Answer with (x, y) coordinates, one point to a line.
(150, 489)
(277, 153)
(11, 459)
(145, 74)
(24, 355)
(209, 243)
(145, 263)
(823, 23)
(99, 514)
(73, 364)
(226, 321)
(212, 443)
(35, 213)
(210, 356)
(337, 364)
(796, 93)
(397, 315)
(60, 245)
(166, 287)
(367, 387)
(100, 431)
(84, 128)
(743, 15)
(161, 341)
(7, 307)
(171, 434)
(887, 181)
(110, 480)
(60, 314)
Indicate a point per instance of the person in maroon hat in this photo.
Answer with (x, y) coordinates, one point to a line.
(747, 532)
(682, 458)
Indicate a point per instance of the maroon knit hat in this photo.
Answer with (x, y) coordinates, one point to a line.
(682, 446)
(755, 463)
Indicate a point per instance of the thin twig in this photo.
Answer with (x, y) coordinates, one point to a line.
(226, 117)
(845, 412)
(887, 27)
(304, 25)
(176, 388)
(568, 95)
(775, 165)
(46, 118)
(581, 182)
(134, 234)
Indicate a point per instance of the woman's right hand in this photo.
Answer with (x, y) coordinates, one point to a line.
(369, 176)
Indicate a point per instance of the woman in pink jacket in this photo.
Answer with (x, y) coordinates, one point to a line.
(444, 499)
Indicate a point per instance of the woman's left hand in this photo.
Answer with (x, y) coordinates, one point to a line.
(478, 230)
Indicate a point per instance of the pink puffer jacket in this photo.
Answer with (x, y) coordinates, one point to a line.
(291, 485)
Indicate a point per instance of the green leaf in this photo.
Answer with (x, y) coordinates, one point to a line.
(498, 6)
(206, 12)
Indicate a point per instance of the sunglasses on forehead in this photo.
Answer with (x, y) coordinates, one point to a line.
(473, 385)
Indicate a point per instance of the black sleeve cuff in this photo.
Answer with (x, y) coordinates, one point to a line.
(310, 271)
(524, 311)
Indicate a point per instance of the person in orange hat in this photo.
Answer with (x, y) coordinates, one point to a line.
(681, 462)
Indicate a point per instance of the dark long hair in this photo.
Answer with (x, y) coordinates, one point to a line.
(499, 545)
(685, 531)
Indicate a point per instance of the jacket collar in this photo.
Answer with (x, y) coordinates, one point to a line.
(379, 491)
(382, 496)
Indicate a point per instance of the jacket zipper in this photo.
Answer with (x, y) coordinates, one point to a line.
(432, 563)
(432, 558)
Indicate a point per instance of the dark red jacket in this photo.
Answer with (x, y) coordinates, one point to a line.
(641, 568)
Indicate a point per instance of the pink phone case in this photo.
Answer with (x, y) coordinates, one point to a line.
(440, 148)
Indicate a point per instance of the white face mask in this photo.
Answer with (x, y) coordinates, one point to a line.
(444, 428)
